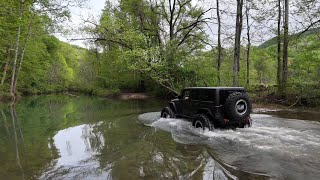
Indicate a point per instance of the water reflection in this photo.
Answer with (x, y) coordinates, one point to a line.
(15, 138)
(86, 153)
(61, 137)
(78, 149)
(58, 137)
(14, 123)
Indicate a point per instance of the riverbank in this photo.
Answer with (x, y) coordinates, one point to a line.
(99, 92)
(296, 97)
(287, 112)
(263, 97)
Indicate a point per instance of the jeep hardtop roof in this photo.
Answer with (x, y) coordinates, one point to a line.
(215, 88)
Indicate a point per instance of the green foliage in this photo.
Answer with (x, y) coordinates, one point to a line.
(139, 49)
(273, 41)
(49, 66)
(105, 92)
(133, 35)
(264, 66)
(4, 93)
(305, 61)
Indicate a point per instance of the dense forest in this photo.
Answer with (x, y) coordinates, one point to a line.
(160, 46)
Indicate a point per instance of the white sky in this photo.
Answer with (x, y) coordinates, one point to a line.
(90, 10)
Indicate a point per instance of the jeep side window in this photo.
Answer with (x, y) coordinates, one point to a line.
(186, 95)
(207, 95)
(195, 94)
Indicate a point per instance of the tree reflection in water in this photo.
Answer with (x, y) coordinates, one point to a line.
(79, 148)
(59, 137)
(15, 138)
(84, 153)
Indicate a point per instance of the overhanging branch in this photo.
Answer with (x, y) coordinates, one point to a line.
(308, 28)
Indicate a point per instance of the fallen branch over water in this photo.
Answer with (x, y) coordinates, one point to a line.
(298, 100)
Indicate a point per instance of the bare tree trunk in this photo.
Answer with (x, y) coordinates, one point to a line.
(170, 59)
(171, 21)
(279, 47)
(5, 67)
(22, 55)
(236, 58)
(248, 45)
(285, 46)
(16, 52)
(219, 42)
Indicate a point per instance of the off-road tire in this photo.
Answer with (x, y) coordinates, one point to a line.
(237, 106)
(167, 113)
(202, 121)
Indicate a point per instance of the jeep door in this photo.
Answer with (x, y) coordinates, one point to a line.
(189, 103)
(195, 102)
(186, 102)
(207, 98)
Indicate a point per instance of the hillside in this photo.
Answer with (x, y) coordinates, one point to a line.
(273, 41)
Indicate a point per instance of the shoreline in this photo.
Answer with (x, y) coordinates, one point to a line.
(258, 105)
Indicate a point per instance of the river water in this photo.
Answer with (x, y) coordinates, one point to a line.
(63, 137)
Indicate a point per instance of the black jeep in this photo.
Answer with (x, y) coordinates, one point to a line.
(210, 107)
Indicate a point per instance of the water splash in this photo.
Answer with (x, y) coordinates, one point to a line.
(281, 148)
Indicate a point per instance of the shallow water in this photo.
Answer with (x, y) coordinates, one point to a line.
(62, 137)
(274, 147)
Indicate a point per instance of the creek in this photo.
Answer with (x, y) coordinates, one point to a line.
(64, 137)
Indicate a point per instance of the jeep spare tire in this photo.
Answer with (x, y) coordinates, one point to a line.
(237, 106)
(167, 113)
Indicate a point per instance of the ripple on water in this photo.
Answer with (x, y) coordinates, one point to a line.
(282, 148)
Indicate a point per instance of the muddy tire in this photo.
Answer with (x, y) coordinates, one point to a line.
(167, 113)
(238, 107)
(202, 121)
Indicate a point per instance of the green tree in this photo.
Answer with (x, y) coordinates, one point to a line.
(138, 29)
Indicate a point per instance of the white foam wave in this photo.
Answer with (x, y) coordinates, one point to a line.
(266, 134)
